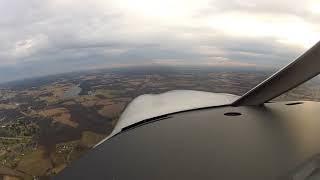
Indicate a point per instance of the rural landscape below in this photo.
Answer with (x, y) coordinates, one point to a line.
(48, 122)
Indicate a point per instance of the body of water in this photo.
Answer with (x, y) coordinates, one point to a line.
(73, 92)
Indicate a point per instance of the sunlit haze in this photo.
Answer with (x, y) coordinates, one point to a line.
(48, 37)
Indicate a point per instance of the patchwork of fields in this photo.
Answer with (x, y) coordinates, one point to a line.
(46, 123)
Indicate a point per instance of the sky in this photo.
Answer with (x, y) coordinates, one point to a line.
(46, 37)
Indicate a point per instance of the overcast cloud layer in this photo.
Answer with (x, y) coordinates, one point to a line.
(45, 37)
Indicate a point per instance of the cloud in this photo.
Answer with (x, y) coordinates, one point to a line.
(68, 35)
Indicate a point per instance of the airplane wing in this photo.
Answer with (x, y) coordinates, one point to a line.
(195, 135)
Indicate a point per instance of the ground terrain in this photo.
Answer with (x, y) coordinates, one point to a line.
(47, 122)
